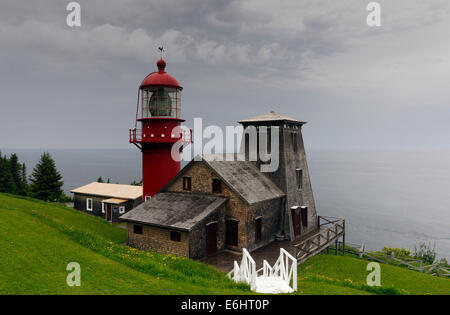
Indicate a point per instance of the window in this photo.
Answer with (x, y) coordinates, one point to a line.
(175, 236)
(304, 216)
(147, 198)
(258, 229)
(89, 204)
(294, 141)
(299, 178)
(187, 183)
(122, 210)
(217, 186)
(103, 207)
(137, 229)
(232, 232)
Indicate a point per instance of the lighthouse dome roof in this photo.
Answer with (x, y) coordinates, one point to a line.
(160, 77)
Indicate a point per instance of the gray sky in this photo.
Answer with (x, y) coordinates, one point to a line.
(358, 87)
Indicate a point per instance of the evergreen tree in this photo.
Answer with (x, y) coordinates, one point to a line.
(46, 181)
(6, 181)
(16, 174)
(100, 180)
(24, 191)
(135, 183)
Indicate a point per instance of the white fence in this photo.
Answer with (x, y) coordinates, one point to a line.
(246, 272)
(436, 269)
(283, 272)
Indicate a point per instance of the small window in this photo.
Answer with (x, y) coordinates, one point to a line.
(187, 183)
(103, 207)
(175, 236)
(299, 179)
(89, 204)
(137, 229)
(258, 230)
(294, 141)
(304, 216)
(217, 186)
(122, 210)
(147, 198)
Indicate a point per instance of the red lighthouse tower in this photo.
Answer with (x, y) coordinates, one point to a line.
(159, 115)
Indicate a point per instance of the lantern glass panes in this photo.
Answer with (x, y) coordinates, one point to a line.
(161, 102)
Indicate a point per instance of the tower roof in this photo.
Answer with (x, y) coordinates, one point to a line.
(160, 77)
(271, 117)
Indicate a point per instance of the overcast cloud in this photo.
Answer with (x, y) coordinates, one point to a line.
(316, 60)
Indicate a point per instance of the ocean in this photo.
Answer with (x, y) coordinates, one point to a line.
(388, 198)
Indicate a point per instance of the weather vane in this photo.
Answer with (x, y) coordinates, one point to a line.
(161, 49)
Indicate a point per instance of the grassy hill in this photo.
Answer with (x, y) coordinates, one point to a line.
(38, 240)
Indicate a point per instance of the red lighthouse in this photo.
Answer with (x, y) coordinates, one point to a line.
(159, 114)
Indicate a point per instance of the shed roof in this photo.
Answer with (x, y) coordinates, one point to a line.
(110, 190)
(181, 211)
(271, 117)
(115, 201)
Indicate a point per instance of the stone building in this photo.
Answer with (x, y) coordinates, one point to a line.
(108, 201)
(214, 204)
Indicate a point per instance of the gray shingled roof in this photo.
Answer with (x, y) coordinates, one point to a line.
(245, 178)
(181, 211)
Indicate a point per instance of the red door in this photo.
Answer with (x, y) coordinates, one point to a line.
(296, 222)
(211, 239)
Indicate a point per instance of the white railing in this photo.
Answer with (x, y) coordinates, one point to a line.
(267, 269)
(246, 272)
(285, 268)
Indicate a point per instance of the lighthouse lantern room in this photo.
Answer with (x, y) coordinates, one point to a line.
(157, 128)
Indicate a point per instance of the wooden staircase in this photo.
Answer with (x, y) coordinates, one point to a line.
(330, 230)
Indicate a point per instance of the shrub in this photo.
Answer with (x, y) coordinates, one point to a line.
(400, 252)
(426, 252)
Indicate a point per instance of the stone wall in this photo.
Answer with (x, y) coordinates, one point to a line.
(197, 237)
(201, 181)
(158, 240)
(271, 212)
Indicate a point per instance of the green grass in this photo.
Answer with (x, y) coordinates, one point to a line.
(38, 240)
(320, 274)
